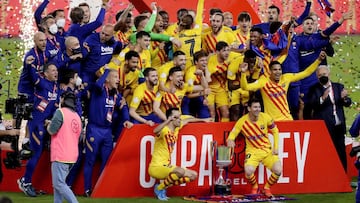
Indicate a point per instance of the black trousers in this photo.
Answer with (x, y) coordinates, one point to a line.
(338, 139)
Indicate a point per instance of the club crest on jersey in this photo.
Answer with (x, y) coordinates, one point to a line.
(110, 102)
(53, 52)
(52, 96)
(262, 127)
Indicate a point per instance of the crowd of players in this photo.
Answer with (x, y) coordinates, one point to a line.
(133, 71)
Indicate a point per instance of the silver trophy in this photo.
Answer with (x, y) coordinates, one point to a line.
(223, 155)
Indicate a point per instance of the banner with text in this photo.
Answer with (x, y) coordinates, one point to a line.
(310, 162)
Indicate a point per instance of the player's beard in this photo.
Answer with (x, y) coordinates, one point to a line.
(154, 83)
(179, 84)
(216, 30)
(133, 69)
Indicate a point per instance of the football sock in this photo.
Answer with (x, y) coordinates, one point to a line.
(169, 181)
(182, 180)
(252, 180)
(271, 181)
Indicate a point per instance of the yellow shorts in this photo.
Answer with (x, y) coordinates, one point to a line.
(254, 157)
(238, 96)
(220, 98)
(160, 172)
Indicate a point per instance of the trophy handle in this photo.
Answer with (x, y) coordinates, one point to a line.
(231, 151)
(213, 148)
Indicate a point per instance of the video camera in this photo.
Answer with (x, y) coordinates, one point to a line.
(12, 159)
(20, 109)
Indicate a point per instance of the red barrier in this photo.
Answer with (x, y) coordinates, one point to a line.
(42, 176)
(310, 163)
(351, 169)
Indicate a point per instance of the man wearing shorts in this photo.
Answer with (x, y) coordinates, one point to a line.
(254, 127)
(166, 135)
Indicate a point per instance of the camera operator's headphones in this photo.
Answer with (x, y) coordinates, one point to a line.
(69, 99)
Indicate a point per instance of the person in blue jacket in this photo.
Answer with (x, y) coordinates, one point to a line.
(354, 132)
(41, 57)
(273, 16)
(82, 29)
(308, 56)
(58, 15)
(98, 49)
(45, 103)
(53, 43)
(104, 99)
(71, 57)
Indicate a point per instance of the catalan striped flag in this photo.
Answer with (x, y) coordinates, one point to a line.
(326, 6)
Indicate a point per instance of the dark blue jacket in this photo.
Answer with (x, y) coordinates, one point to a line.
(83, 31)
(103, 104)
(96, 55)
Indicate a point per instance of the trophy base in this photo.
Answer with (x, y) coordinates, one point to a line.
(223, 190)
(223, 163)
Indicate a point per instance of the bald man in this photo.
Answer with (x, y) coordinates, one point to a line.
(104, 101)
(228, 19)
(71, 57)
(26, 84)
(98, 50)
(41, 56)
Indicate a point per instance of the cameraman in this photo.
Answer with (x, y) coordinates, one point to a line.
(5, 145)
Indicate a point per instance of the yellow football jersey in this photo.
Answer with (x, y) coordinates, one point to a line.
(191, 38)
(170, 100)
(209, 40)
(255, 133)
(275, 94)
(143, 99)
(164, 146)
